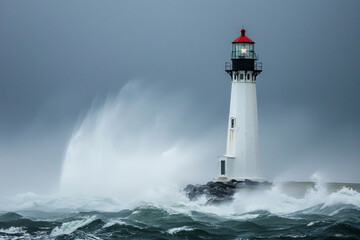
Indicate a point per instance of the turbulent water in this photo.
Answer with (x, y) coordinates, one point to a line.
(265, 214)
(137, 164)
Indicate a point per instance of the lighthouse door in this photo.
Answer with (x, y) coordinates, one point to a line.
(222, 167)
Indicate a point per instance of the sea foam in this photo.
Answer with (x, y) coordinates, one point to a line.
(70, 227)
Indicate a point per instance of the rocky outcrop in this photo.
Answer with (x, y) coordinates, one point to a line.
(220, 192)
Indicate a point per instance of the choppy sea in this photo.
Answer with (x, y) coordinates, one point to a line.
(316, 211)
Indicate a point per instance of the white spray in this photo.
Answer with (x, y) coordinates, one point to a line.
(135, 143)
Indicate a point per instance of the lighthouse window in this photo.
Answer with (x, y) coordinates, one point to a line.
(222, 167)
(232, 122)
(241, 76)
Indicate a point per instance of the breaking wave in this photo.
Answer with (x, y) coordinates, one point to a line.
(275, 200)
(265, 214)
(70, 227)
(131, 145)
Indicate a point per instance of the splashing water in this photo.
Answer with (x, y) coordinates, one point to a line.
(130, 150)
(264, 214)
(69, 227)
(133, 145)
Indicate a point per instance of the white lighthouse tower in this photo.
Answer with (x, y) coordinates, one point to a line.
(242, 151)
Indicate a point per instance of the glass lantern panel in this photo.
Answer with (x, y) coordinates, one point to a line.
(243, 50)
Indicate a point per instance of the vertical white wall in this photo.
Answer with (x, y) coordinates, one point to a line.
(243, 138)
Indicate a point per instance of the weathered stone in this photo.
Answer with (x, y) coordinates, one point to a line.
(219, 192)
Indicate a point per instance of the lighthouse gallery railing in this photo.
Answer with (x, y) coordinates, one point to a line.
(257, 66)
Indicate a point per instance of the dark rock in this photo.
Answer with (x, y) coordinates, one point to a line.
(220, 192)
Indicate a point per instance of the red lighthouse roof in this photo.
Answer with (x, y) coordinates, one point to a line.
(243, 38)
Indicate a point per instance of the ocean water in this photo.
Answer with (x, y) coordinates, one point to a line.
(316, 211)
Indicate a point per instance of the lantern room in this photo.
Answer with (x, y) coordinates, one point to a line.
(243, 47)
(243, 56)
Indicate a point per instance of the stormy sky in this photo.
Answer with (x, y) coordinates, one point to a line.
(58, 57)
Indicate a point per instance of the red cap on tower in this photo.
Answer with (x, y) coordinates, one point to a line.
(243, 38)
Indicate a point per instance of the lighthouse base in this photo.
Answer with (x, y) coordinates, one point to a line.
(238, 169)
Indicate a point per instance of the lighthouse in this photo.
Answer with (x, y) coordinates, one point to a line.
(241, 160)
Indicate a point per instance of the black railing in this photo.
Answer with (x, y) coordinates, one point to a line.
(228, 66)
(257, 66)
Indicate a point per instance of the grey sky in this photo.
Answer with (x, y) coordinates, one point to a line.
(56, 57)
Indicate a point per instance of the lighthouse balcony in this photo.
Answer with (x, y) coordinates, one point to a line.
(243, 65)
